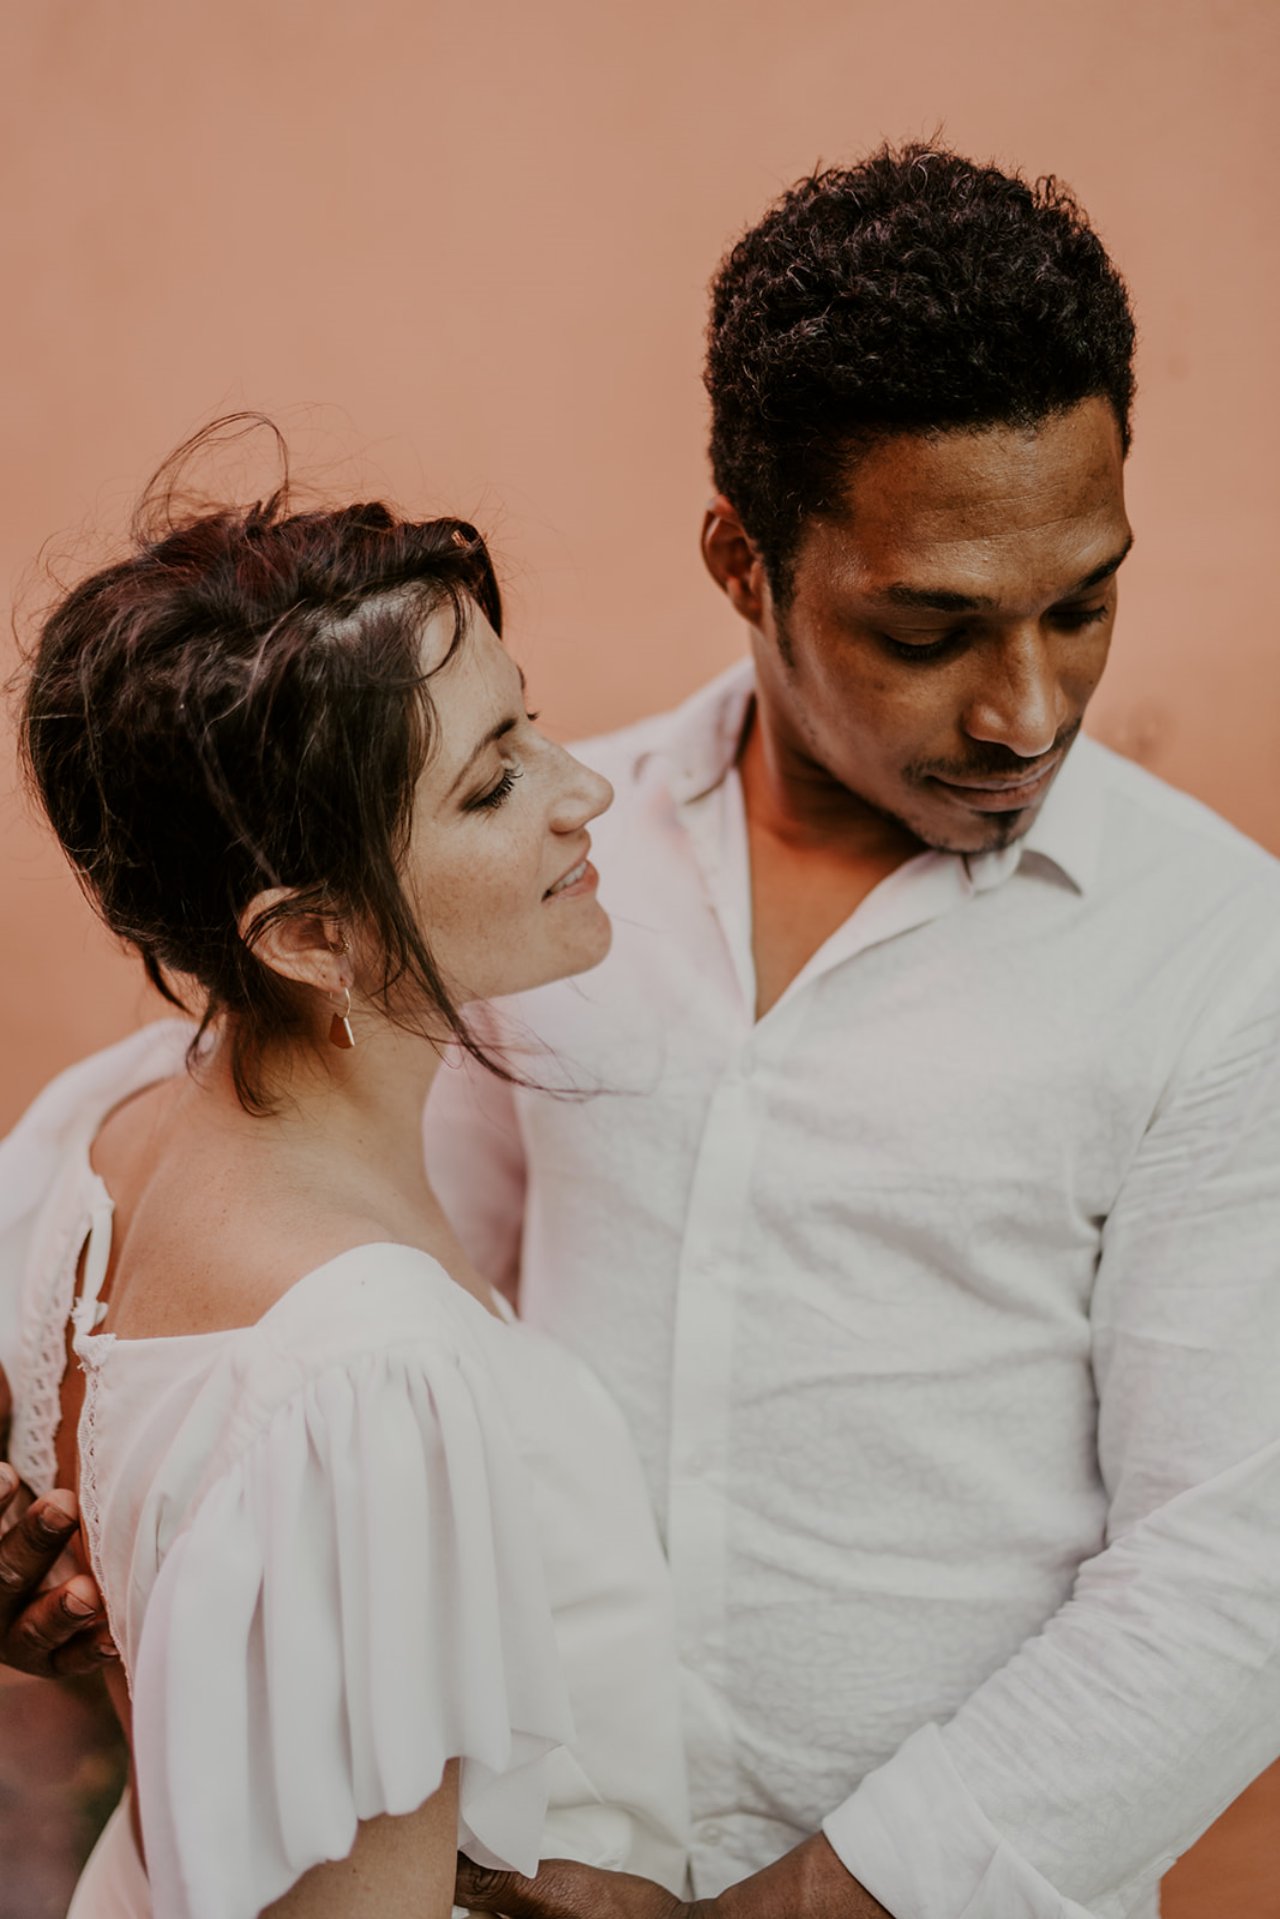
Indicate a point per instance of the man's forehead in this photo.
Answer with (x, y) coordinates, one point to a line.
(1055, 562)
(971, 534)
(989, 483)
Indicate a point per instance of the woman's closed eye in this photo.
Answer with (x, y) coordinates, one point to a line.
(494, 795)
(498, 792)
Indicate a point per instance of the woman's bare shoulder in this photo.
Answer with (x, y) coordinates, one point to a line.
(209, 1236)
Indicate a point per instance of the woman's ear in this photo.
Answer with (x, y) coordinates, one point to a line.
(307, 948)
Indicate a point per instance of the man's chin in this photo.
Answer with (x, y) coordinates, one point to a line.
(941, 826)
(983, 833)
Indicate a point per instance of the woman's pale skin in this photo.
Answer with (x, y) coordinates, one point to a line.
(496, 869)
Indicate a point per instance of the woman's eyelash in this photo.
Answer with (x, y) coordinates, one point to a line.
(498, 793)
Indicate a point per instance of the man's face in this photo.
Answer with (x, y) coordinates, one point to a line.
(948, 628)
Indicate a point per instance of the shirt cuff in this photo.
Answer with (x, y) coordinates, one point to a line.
(914, 1836)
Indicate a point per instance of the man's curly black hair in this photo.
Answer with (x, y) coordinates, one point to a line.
(915, 292)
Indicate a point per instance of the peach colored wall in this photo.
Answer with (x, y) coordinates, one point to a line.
(460, 251)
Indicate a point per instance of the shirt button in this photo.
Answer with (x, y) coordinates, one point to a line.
(710, 1833)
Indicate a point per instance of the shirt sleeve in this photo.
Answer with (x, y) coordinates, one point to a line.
(475, 1158)
(1074, 1777)
(357, 1599)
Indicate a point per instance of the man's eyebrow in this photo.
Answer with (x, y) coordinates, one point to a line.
(938, 600)
(491, 738)
(1101, 573)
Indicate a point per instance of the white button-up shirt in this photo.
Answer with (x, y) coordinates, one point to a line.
(944, 1304)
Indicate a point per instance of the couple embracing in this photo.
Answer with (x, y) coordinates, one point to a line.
(869, 1504)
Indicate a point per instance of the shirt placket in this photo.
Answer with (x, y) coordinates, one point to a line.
(701, 1400)
(707, 1300)
(714, 1266)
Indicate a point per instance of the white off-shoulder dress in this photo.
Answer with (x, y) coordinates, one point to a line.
(378, 1529)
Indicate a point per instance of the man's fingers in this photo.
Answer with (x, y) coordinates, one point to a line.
(59, 1633)
(62, 1632)
(90, 1651)
(563, 1889)
(29, 1549)
(500, 1892)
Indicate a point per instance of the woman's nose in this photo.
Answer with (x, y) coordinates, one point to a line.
(584, 794)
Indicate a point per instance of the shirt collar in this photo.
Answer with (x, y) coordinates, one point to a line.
(1068, 828)
(707, 730)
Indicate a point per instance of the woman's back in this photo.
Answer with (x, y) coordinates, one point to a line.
(374, 1529)
(372, 1556)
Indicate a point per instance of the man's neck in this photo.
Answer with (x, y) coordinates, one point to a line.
(798, 803)
(815, 852)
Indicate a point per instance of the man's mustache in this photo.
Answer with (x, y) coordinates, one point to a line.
(992, 762)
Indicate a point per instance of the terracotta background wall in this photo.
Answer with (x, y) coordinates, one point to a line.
(460, 252)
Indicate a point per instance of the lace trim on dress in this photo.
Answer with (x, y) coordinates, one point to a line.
(90, 1494)
(44, 1361)
(91, 1348)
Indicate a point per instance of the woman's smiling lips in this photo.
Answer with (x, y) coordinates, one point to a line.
(581, 878)
(1001, 796)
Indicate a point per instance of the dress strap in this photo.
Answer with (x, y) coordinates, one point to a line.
(89, 1311)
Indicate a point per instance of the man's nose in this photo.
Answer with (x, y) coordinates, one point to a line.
(1018, 703)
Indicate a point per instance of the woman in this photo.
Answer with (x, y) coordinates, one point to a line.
(379, 1564)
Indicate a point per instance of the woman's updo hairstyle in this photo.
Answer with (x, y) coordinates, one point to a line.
(239, 705)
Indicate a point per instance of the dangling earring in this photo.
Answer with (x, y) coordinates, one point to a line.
(340, 1033)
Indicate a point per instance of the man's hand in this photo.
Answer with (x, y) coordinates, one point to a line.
(565, 1890)
(807, 1883)
(53, 1630)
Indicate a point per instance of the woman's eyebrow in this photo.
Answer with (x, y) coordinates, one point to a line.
(495, 733)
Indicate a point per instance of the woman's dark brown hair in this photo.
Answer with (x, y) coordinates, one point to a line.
(238, 705)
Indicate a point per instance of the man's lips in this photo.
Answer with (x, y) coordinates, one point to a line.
(988, 794)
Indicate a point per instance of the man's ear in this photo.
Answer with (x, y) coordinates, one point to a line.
(734, 563)
(304, 947)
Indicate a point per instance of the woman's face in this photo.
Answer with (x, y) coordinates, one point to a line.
(497, 859)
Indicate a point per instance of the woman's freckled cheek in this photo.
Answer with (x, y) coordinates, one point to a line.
(485, 900)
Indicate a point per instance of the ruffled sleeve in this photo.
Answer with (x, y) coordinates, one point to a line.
(66, 1112)
(358, 1598)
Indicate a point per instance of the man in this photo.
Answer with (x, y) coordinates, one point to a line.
(925, 1221)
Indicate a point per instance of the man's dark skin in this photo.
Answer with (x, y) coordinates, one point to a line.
(920, 687)
(60, 1633)
(996, 552)
(810, 1881)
